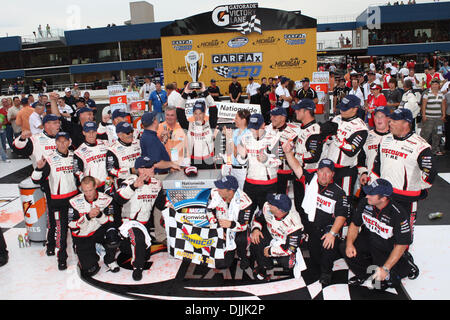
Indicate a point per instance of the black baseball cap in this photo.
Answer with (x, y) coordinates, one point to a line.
(278, 111)
(326, 163)
(227, 182)
(402, 114)
(89, 126)
(256, 121)
(281, 201)
(62, 134)
(49, 117)
(380, 187)
(143, 162)
(305, 104)
(124, 127)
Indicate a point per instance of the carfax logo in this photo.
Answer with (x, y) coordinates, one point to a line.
(182, 45)
(295, 39)
(291, 63)
(254, 57)
(237, 42)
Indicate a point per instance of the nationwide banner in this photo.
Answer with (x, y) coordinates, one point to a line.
(291, 53)
(225, 110)
(199, 245)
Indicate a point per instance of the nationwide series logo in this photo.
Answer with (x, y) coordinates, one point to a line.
(254, 57)
(291, 63)
(266, 41)
(238, 17)
(210, 44)
(182, 45)
(237, 42)
(295, 39)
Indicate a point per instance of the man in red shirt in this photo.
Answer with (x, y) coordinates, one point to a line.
(386, 78)
(375, 99)
(431, 75)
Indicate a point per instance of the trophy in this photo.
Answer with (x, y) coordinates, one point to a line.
(193, 67)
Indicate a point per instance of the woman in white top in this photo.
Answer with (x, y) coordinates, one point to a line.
(356, 90)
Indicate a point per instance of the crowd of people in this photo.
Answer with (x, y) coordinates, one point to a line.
(364, 168)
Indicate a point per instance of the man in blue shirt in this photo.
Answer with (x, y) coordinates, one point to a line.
(158, 101)
(152, 147)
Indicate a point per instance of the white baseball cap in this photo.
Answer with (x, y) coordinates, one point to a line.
(67, 90)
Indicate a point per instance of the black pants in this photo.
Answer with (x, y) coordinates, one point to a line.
(135, 247)
(367, 255)
(85, 248)
(258, 195)
(299, 195)
(226, 262)
(346, 178)
(58, 226)
(2, 243)
(241, 241)
(257, 252)
(411, 208)
(447, 132)
(282, 183)
(324, 258)
(51, 225)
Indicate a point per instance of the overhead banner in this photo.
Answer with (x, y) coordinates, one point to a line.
(291, 53)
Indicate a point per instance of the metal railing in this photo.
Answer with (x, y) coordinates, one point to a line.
(44, 35)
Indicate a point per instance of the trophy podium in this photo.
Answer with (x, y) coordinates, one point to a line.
(194, 68)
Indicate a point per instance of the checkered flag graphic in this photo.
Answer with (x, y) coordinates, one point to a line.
(254, 25)
(222, 71)
(179, 247)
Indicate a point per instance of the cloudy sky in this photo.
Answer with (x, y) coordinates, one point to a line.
(22, 17)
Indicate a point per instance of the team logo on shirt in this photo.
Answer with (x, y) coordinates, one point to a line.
(378, 227)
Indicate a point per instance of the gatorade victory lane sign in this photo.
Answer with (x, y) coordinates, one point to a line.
(241, 40)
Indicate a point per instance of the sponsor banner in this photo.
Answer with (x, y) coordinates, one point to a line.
(293, 39)
(322, 90)
(253, 55)
(182, 45)
(321, 77)
(114, 90)
(238, 17)
(228, 110)
(237, 42)
(198, 244)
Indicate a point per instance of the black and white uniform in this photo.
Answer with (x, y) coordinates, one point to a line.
(200, 137)
(381, 230)
(281, 135)
(238, 212)
(366, 156)
(58, 170)
(86, 231)
(343, 149)
(261, 176)
(120, 158)
(90, 160)
(328, 203)
(407, 163)
(137, 205)
(283, 237)
(38, 145)
(307, 150)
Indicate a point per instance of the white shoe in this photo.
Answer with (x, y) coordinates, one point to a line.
(113, 267)
(6, 161)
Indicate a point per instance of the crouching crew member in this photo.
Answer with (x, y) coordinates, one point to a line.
(276, 235)
(327, 208)
(229, 208)
(91, 224)
(57, 167)
(384, 237)
(137, 196)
